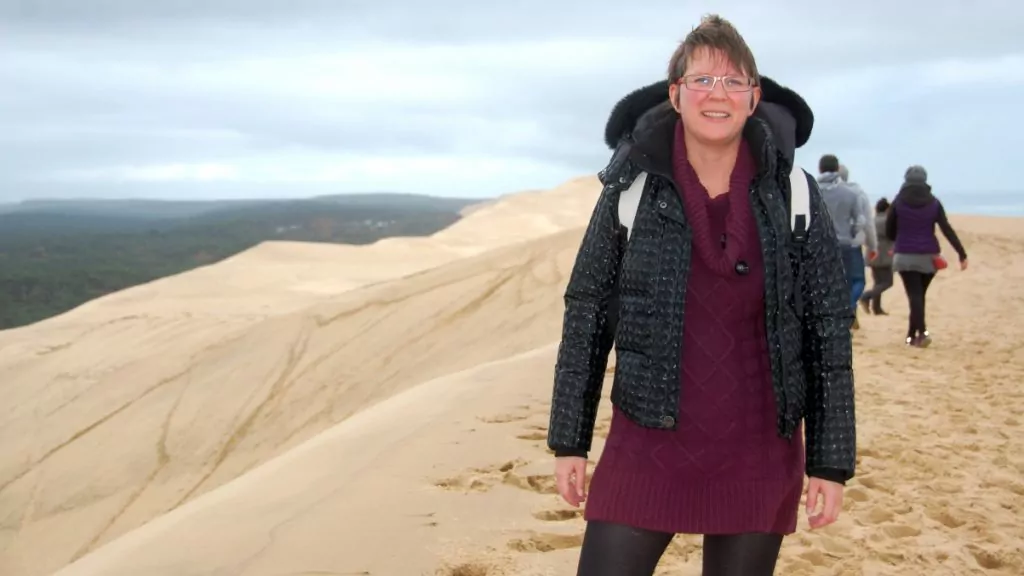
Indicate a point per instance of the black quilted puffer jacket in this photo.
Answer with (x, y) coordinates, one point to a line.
(638, 305)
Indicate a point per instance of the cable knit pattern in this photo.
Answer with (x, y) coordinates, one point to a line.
(636, 298)
(723, 469)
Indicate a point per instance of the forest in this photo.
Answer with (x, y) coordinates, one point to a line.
(56, 255)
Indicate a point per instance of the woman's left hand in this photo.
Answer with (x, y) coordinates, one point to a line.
(831, 493)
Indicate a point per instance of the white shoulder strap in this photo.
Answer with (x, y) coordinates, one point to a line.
(799, 200)
(629, 202)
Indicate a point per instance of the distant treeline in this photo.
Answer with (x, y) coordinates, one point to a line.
(54, 257)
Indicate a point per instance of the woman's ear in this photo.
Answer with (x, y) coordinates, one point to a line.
(755, 98)
(673, 97)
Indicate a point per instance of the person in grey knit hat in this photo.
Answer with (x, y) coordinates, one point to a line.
(916, 174)
(917, 256)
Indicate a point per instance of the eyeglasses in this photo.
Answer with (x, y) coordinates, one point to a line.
(706, 83)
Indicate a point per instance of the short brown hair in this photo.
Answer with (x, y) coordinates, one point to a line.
(828, 163)
(716, 33)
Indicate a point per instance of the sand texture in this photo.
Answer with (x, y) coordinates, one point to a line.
(381, 410)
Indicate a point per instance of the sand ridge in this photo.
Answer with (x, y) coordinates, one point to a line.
(440, 381)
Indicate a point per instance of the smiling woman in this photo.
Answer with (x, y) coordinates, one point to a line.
(706, 432)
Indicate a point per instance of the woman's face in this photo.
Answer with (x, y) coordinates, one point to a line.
(714, 116)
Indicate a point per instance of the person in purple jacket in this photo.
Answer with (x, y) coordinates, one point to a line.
(911, 223)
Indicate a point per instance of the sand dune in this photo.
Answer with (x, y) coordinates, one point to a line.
(440, 381)
(133, 404)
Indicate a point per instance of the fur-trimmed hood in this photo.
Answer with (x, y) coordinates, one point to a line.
(783, 109)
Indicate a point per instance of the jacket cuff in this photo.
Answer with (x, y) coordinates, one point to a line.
(563, 452)
(831, 474)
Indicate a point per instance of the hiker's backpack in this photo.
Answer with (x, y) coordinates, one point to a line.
(799, 203)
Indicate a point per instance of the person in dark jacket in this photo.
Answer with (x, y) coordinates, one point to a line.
(911, 225)
(881, 266)
(731, 332)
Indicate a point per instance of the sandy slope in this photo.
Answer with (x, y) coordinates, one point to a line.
(451, 477)
(135, 403)
(454, 471)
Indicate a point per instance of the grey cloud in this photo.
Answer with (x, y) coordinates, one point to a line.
(100, 84)
(123, 110)
(873, 27)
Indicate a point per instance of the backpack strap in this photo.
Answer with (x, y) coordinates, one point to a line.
(629, 202)
(799, 204)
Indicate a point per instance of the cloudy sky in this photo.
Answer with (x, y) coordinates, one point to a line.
(229, 98)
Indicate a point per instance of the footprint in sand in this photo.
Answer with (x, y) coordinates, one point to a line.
(991, 560)
(539, 483)
(1010, 485)
(895, 557)
(463, 483)
(871, 483)
(836, 547)
(503, 418)
(558, 515)
(876, 515)
(867, 453)
(814, 557)
(901, 530)
(510, 473)
(538, 542)
(944, 517)
(479, 479)
(465, 569)
(856, 494)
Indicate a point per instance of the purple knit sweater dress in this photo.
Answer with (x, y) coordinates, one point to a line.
(724, 470)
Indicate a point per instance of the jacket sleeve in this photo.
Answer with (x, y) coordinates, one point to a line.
(587, 331)
(827, 351)
(950, 234)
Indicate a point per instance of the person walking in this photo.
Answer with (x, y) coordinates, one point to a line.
(730, 337)
(881, 266)
(866, 235)
(917, 257)
(851, 216)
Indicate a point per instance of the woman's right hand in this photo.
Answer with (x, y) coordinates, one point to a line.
(571, 476)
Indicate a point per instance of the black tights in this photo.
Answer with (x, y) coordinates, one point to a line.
(916, 286)
(617, 550)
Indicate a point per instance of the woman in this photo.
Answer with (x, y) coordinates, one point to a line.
(911, 225)
(881, 266)
(728, 332)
